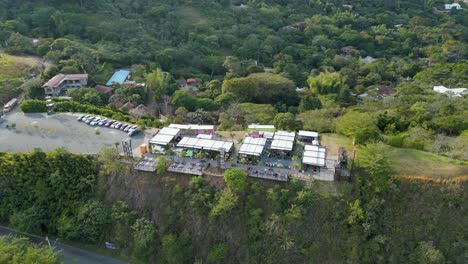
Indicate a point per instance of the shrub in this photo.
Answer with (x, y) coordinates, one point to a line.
(33, 106)
(70, 106)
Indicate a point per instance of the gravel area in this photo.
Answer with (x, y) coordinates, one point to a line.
(49, 132)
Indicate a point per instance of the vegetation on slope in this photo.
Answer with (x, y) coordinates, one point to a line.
(178, 219)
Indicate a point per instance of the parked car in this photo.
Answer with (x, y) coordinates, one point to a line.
(109, 123)
(80, 117)
(89, 119)
(118, 125)
(128, 128)
(102, 122)
(123, 127)
(132, 132)
(95, 121)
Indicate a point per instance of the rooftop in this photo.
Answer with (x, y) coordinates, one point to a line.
(118, 77)
(103, 89)
(257, 126)
(304, 133)
(192, 126)
(252, 146)
(314, 155)
(164, 136)
(205, 144)
(59, 78)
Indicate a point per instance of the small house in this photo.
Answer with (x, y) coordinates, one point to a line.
(106, 90)
(128, 106)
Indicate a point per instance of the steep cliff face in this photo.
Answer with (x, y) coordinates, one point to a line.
(275, 224)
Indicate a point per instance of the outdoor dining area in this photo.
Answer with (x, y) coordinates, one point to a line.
(187, 167)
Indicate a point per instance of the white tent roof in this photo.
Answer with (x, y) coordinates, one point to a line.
(164, 136)
(205, 144)
(191, 126)
(169, 131)
(284, 135)
(205, 136)
(303, 133)
(282, 144)
(256, 126)
(161, 139)
(314, 155)
(252, 146)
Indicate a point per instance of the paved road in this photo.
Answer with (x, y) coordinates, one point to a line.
(58, 130)
(68, 254)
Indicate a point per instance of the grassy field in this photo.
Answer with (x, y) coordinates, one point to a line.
(17, 66)
(407, 162)
(13, 71)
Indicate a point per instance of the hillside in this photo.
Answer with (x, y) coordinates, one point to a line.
(201, 219)
(386, 80)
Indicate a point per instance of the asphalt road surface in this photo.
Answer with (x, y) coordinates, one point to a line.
(49, 132)
(68, 254)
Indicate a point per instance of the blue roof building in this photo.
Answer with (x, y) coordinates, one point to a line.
(118, 77)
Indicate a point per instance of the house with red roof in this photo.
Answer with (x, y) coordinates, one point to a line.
(104, 89)
(128, 106)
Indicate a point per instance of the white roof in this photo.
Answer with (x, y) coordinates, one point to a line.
(205, 136)
(169, 131)
(313, 161)
(257, 126)
(303, 133)
(254, 141)
(284, 135)
(191, 126)
(314, 155)
(252, 146)
(282, 144)
(164, 136)
(457, 92)
(161, 139)
(205, 144)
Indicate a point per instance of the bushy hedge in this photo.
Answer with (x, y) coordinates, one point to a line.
(71, 106)
(33, 106)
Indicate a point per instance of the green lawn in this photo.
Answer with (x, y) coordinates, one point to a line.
(406, 162)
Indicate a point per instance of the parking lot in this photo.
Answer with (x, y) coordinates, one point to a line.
(49, 132)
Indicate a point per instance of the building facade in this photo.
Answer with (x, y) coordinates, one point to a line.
(60, 83)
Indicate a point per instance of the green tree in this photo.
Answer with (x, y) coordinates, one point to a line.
(144, 239)
(374, 159)
(177, 249)
(426, 252)
(226, 202)
(244, 88)
(236, 179)
(361, 127)
(325, 83)
(218, 253)
(122, 219)
(91, 221)
(160, 82)
(309, 102)
(87, 96)
(161, 165)
(21, 250)
(33, 106)
(285, 121)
